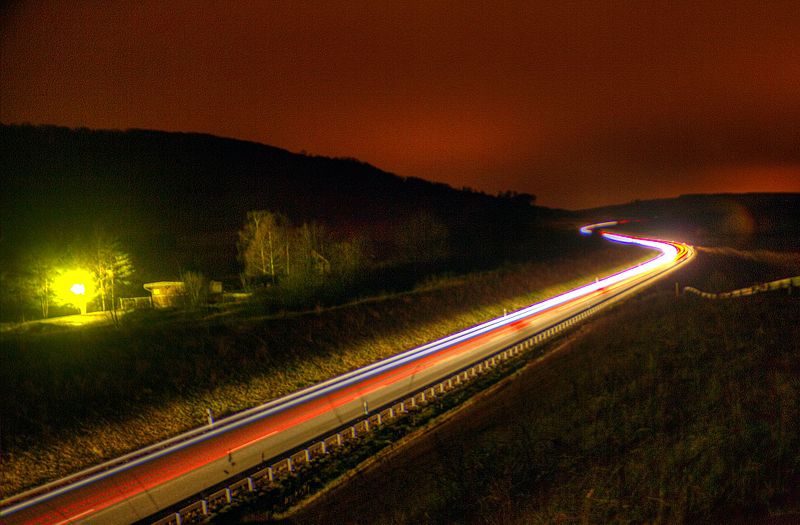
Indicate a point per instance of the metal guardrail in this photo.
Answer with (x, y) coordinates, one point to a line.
(282, 467)
(780, 284)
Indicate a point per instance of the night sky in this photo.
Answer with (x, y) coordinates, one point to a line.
(582, 104)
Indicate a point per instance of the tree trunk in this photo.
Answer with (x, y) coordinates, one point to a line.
(271, 257)
(45, 306)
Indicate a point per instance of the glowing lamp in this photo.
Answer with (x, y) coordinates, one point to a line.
(74, 286)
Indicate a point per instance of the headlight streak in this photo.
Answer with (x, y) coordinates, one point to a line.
(670, 253)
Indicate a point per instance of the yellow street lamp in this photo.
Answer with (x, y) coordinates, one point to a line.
(75, 287)
(79, 289)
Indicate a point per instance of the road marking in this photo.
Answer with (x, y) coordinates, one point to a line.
(252, 441)
(76, 516)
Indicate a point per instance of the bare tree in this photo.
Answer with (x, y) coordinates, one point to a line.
(42, 274)
(264, 245)
(195, 285)
(110, 266)
(37, 278)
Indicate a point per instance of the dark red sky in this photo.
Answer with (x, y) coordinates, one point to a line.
(580, 103)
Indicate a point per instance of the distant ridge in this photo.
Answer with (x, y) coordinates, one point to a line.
(735, 217)
(180, 198)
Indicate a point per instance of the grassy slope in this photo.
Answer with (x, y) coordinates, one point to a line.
(665, 411)
(72, 399)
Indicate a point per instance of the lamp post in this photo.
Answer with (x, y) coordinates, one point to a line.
(80, 294)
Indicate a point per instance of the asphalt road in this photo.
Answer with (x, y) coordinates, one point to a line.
(143, 483)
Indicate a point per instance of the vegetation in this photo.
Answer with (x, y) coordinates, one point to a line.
(70, 399)
(195, 286)
(291, 267)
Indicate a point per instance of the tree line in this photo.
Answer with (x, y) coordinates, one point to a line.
(57, 279)
(298, 265)
(296, 262)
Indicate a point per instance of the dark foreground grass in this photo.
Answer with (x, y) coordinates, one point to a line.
(666, 411)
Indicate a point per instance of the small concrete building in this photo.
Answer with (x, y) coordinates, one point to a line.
(172, 294)
(167, 294)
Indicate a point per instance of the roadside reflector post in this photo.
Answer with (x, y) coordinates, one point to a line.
(210, 416)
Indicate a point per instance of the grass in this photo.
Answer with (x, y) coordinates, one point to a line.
(666, 411)
(74, 398)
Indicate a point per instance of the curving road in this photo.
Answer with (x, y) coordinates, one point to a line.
(141, 484)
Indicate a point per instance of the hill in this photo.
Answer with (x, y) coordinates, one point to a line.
(745, 220)
(178, 199)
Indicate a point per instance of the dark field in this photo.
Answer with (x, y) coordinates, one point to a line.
(662, 410)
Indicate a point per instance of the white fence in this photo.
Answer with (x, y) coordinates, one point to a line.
(788, 283)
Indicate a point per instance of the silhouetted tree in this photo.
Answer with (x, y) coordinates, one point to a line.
(264, 246)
